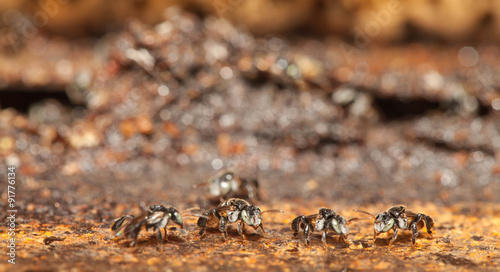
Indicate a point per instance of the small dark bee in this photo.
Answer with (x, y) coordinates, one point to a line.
(325, 220)
(226, 184)
(398, 217)
(156, 217)
(232, 211)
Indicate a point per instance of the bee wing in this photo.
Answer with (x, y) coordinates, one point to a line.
(223, 211)
(410, 214)
(397, 210)
(121, 222)
(235, 203)
(126, 228)
(312, 216)
(224, 208)
(154, 217)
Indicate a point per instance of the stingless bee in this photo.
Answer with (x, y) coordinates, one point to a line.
(232, 211)
(156, 217)
(227, 184)
(398, 217)
(324, 220)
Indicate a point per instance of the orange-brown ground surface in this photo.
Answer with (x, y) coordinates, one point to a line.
(53, 236)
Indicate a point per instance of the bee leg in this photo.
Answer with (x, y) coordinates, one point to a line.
(159, 236)
(202, 223)
(296, 225)
(393, 237)
(342, 239)
(263, 230)
(305, 225)
(414, 228)
(429, 223)
(241, 230)
(222, 226)
(166, 233)
(323, 237)
(306, 234)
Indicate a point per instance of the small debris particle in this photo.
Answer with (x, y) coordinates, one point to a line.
(49, 240)
(477, 238)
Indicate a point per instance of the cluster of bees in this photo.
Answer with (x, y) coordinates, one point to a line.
(227, 185)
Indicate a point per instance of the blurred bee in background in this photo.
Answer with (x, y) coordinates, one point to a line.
(398, 217)
(156, 218)
(232, 211)
(227, 184)
(324, 220)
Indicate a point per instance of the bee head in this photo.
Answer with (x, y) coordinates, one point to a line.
(383, 222)
(339, 224)
(251, 215)
(326, 213)
(176, 217)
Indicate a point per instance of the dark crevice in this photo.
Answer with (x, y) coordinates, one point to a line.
(483, 110)
(393, 108)
(22, 99)
(414, 34)
(451, 147)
